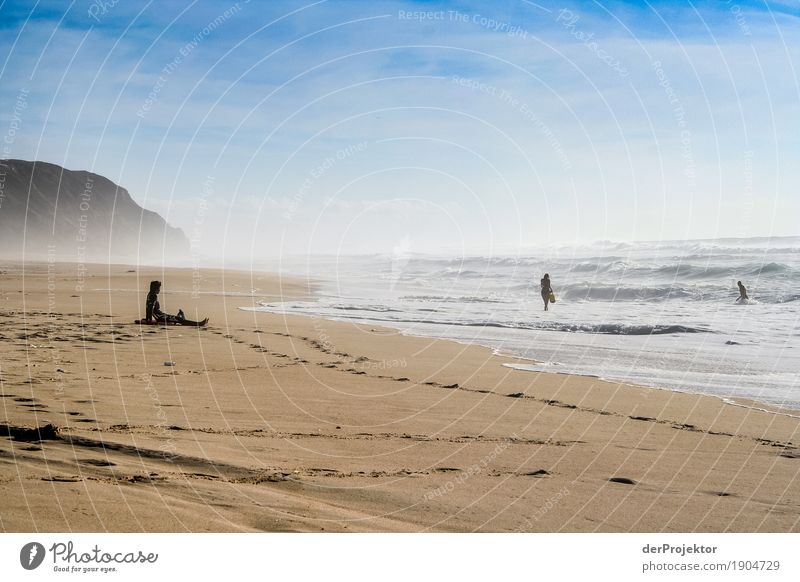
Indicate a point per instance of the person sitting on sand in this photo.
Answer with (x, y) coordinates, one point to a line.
(546, 290)
(153, 310)
(742, 293)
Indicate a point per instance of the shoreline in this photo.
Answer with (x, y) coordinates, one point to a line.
(749, 403)
(272, 422)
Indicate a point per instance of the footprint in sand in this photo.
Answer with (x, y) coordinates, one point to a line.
(29, 435)
(538, 473)
(97, 462)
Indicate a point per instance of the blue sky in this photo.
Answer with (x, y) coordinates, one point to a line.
(264, 128)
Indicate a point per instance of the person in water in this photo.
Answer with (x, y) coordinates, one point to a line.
(546, 290)
(153, 310)
(742, 293)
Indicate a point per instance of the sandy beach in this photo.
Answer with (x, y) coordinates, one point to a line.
(273, 423)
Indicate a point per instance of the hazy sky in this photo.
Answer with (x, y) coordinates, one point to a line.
(263, 128)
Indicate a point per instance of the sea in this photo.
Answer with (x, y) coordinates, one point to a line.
(662, 314)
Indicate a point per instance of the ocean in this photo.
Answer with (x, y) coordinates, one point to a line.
(661, 314)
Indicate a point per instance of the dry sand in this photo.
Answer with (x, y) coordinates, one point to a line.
(268, 423)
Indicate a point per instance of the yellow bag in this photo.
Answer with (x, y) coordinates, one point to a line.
(552, 298)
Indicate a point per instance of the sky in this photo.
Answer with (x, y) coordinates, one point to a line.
(270, 128)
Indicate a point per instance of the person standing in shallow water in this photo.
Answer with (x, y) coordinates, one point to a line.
(546, 290)
(742, 292)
